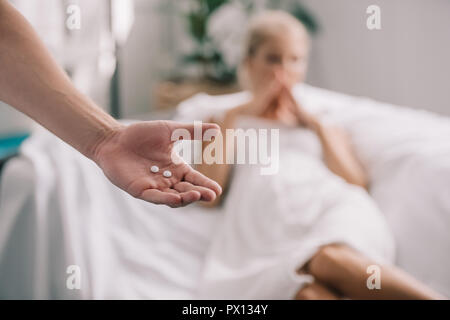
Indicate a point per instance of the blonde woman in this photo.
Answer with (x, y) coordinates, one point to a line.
(329, 233)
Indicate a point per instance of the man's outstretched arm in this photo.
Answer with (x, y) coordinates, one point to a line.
(32, 82)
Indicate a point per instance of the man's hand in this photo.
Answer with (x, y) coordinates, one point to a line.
(128, 154)
(32, 82)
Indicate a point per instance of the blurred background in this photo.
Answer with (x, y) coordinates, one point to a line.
(141, 58)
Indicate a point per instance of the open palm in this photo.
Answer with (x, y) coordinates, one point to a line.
(126, 159)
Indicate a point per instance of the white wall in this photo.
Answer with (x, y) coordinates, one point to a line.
(87, 52)
(151, 50)
(406, 62)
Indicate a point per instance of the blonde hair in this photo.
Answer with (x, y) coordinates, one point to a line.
(264, 26)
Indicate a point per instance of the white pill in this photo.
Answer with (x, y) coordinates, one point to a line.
(154, 169)
(167, 174)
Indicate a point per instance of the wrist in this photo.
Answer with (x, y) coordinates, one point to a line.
(316, 126)
(103, 140)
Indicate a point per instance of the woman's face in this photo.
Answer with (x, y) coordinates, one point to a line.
(282, 54)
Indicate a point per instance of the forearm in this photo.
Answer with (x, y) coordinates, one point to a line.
(32, 82)
(216, 171)
(340, 157)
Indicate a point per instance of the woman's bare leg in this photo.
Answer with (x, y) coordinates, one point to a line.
(344, 270)
(316, 291)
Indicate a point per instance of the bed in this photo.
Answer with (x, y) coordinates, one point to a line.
(57, 210)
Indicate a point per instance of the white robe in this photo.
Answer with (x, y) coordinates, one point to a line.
(273, 224)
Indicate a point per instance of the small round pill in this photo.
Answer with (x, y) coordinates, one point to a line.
(167, 174)
(154, 169)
